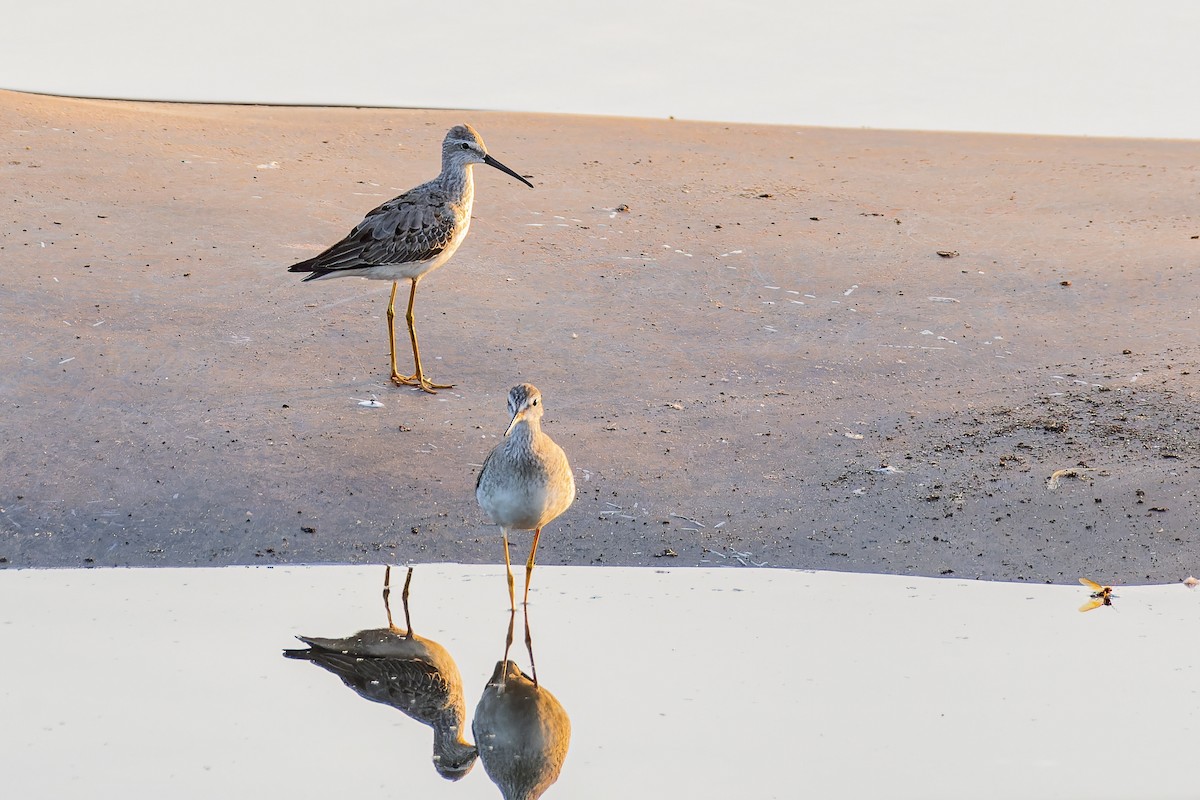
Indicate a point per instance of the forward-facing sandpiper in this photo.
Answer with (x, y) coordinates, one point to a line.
(525, 481)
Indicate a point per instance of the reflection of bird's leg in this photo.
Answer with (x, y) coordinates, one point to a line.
(529, 647)
(404, 599)
(387, 595)
(512, 602)
(508, 640)
(418, 378)
(529, 564)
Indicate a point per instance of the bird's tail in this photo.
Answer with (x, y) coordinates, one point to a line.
(303, 655)
(310, 265)
(315, 647)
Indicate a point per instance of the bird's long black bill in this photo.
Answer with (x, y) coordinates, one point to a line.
(491, 162)
(511, 425)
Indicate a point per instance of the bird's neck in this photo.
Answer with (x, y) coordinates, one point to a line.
(526, 430)
(448, 737)
(457, 181)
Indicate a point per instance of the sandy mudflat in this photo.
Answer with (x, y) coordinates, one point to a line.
(763, 358)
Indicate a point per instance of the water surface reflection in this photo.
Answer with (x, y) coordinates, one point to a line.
(169, 682)
(398, 668)
(522, 729)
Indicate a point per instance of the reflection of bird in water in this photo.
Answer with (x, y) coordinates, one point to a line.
(409, 672)
(521, 730)
(1101, 595)
(525, 481)
(411, 235)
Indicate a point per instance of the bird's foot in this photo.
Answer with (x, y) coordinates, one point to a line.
(420, 381)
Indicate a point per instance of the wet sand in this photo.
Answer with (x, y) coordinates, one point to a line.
(764, 360)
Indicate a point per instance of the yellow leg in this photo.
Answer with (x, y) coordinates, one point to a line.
(391, 318)
(417, 378)
(512, 601)
(529, 564)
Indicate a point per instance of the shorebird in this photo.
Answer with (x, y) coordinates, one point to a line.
(411, 235)
(396, 667)
(525, 481)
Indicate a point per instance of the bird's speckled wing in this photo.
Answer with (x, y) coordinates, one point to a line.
(416, 226)
(411, 685)
(483, 469)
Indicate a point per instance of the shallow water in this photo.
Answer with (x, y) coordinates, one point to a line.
(690, 682)
(1059, 68)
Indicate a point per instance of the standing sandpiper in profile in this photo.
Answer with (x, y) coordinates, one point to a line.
(525, 481)
(411, 235)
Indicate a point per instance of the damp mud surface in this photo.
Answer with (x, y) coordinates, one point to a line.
(917, 353)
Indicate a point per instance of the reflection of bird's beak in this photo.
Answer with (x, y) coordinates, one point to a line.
(512, 424)
(491, 162)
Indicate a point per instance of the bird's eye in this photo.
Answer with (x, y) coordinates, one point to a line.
(535, 402)
(466, 146)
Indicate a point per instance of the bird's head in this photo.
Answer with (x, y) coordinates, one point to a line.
(455, 759)
(525, 405)
(463, 146)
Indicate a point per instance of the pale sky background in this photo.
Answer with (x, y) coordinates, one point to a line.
(1093, 68)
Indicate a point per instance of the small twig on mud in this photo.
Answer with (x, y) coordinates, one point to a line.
(687, 519)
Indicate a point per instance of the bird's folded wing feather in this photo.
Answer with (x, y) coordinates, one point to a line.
(400, 683)
(401, 231)
(483, 468)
